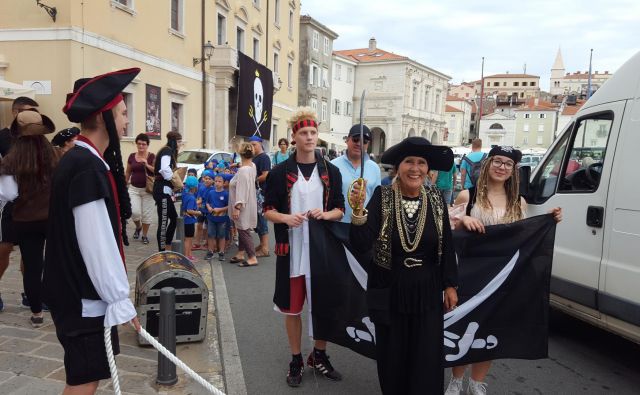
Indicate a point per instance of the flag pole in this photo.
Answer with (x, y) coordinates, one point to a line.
(481, 98)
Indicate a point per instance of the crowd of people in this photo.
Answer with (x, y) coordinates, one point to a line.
(65, 204)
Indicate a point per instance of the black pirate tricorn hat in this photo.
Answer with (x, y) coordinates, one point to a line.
(98, 94)
(438, 157)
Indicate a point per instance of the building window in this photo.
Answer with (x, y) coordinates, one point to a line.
(516, 83)
(314, 105)
(427, 92)
(290, 75)
(277, 13)
(488, 83)
(525, 140)
(256, 49)
(324, 110)
(325, 77)
(543, 116)
(315, 40)
(524, 83)
(525, 127)
(539, 140)
(314, 75)
(533, 84)
(128, 101)
(222, 29)
(349, 74)
(414, 96)
(527, 116)
(541, 128)
(347, 108)
(276, 61)
(176, 15)
(176, 117)
(521, 94)
(337, 72)
(496, 84)
(291, 24)
(336, 106)
(327, 46)
(452, 124)
(437, 103)
(240, 39)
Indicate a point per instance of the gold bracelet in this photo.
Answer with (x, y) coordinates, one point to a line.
(359, 220)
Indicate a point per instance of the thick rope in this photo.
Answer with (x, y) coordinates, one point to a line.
(114, 371)
(112, 361)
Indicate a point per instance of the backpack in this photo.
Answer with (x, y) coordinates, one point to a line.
(474, 173)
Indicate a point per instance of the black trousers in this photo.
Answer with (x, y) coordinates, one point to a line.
(31, 237)
(166, 221)
(410, 353)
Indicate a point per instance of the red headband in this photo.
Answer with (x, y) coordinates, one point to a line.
(303, 123)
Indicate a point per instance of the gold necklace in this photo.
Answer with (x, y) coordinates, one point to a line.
(407, 244)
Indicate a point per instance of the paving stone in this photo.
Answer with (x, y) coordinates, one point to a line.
(50, 338)
(19, 346)
(50, 351)
(18, 332)
(137, 365)
(142, 385)
(4, 376)
(29, 365)
(25, 385)
(140, 352)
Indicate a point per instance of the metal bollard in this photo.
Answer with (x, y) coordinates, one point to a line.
(180, 229)
(177, 246)
(167, 336)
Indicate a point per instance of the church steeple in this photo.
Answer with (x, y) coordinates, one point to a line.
(557, 75)
(558, 64)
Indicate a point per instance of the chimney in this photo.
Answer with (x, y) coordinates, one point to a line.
(372, 44)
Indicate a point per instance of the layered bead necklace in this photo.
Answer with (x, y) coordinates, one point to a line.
(411, 216)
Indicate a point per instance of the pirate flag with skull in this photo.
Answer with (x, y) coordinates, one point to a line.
(255, 98)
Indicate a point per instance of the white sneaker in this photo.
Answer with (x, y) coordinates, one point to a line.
(455, 386)
(477, 387)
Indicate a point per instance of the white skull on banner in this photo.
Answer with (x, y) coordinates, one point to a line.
(258, 96)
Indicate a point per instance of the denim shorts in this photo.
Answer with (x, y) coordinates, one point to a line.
(263, 226)
(216, 230)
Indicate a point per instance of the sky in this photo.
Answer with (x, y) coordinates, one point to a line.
(452, 36)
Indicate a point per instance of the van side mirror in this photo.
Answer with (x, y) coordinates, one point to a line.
(524, 187)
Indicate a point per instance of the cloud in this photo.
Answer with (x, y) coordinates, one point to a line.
(452, 37)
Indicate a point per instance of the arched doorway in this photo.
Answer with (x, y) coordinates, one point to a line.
(424, 133)
(412, 132)
(434, 138)
(378, 141)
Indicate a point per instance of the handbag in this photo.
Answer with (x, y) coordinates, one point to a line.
(150, 179)
(178, 175)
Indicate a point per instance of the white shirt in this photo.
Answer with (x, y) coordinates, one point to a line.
(305, 195)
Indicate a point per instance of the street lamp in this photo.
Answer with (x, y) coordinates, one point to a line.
(207, 52)
(52, 11)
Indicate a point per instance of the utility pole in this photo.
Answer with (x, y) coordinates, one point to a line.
(589, 83)
(479, 117)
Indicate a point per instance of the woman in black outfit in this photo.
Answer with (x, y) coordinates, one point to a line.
(414, 263)
(26, 175)
(165, 164)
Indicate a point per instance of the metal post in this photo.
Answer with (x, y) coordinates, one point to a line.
(179, 228)
(167, 336)
(177, 246)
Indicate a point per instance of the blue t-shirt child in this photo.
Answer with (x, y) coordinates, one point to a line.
(218, 199)
(202, 193)
(188, 203)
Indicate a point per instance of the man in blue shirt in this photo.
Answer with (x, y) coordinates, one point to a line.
(475, 156)
(349, 165)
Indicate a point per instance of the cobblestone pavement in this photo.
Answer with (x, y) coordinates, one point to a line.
(31, 360)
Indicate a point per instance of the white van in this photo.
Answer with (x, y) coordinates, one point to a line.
(592, 171)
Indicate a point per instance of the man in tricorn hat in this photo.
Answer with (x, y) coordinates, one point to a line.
(85, 282)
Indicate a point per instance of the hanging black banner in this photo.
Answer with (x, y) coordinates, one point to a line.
(255, 98)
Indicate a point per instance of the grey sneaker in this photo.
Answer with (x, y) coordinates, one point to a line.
(37, 322)
(221, 256)
(477, 387)
(209, 256)
(145, 240)
(455, 386)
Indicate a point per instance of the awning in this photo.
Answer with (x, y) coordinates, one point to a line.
(11, 91)
(330, 139)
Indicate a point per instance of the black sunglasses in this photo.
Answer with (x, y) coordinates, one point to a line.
(356, 139)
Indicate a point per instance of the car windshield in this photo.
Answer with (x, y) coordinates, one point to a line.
(192, 157)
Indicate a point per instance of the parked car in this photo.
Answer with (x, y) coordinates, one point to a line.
(195, 158)
(530, 160)
(590, 171)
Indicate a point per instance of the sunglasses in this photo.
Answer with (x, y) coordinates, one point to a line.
(356, 139)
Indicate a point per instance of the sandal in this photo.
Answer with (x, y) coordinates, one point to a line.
(246, 264)
(262, 254)
(235, 260)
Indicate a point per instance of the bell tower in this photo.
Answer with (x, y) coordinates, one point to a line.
(557, 74)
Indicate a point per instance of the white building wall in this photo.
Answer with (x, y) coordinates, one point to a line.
(494, 137)
(342, 90)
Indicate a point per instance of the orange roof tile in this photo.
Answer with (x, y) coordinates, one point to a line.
(572, 110)
(454, 98)
(584, 76)
(449, 108)
(364, 55)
